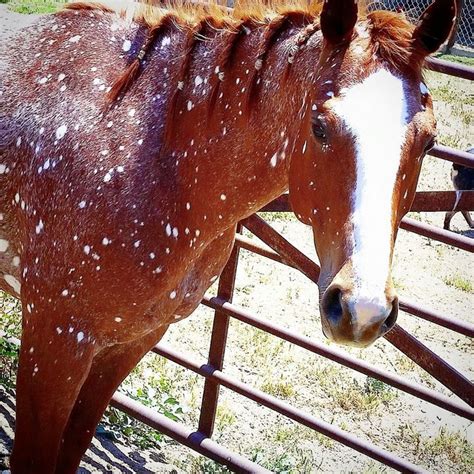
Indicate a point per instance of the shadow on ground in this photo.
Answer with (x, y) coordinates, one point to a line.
(103, 456)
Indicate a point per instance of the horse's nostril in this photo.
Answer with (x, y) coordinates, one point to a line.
(332, 304)
(392, 317)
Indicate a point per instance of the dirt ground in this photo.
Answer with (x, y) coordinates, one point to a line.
(433, 274)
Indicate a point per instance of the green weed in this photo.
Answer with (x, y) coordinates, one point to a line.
(452, 445)
(363, 398)
(119, 426)
(278, 388)
(285, 463)
(34, 6)
(460, 283)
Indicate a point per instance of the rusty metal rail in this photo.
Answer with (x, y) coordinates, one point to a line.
(425, 201)
(451, 154)
(282, 204)
(433, 232)
(218, 344)
(277, 405)
(452, 69)
(443, 201)
(226, 308)
(193, 439)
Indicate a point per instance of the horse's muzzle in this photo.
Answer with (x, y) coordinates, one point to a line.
(354, 321)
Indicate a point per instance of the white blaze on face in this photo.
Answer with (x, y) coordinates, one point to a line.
(375, 111)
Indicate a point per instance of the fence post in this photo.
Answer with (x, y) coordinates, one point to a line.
(217, 347)
(454, 31)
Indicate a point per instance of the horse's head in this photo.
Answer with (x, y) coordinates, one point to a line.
(371, 123)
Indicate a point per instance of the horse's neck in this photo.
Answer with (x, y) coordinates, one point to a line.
(233, 159)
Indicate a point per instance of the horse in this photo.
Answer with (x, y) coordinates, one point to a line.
(463, 180)
(132, 143)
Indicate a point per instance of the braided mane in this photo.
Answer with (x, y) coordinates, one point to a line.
(390, 32)
(150, 12)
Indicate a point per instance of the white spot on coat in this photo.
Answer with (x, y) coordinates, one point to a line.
(4, 245)
(13, 282)
(61, 131)
(423, 89)
(39, 227)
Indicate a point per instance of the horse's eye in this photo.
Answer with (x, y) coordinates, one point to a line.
(319, 130)
(431, 143)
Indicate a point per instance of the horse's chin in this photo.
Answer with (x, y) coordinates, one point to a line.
(344, 342)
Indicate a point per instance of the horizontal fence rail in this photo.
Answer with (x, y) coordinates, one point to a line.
(340, 357)
(447, 153)
(281, 204)
(193, 439)
(295, 414)
(424, 201)
(443, 201)
(452, 69)
(433, 232)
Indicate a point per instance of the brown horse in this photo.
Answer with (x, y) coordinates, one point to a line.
(132, 143)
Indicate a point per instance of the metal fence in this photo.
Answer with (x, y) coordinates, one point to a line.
(463, 33)
(279, 249)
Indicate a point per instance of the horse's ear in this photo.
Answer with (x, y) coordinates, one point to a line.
(338, 18)
(435, 25)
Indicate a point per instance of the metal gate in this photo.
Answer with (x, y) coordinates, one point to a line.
(280, 250)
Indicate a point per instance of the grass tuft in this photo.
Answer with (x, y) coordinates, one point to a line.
(365, 398)
(278, 388)
(39, 7)
(452, 445)
(460, 283)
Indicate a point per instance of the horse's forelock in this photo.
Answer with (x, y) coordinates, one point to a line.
(391, 40)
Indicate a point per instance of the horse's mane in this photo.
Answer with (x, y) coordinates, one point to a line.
(390, 32)
(189, 12)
